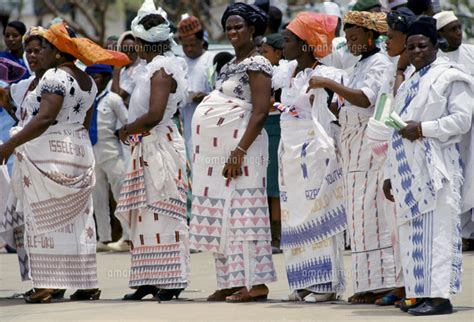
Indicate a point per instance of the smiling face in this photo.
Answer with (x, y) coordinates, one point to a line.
(395, 42)
(32, 50)
(452, 32)
(357, 40)
(12, 39)
(421, 51)
(238, 32)
(292, 45)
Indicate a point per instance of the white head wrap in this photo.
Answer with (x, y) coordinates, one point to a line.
(395, 3)
(443, 18)
(156, 34)
(330, 8)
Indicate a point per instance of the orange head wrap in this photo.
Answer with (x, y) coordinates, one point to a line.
(316, 29)
(83, 49)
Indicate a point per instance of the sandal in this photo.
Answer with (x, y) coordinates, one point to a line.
(392, 297)
(85, 295)
(320, 297)
(167, 294)
(296, 296)
(40, 295)
(141, 292)
(365, 298)
(58, 294)
(220, 295)
(411, 303)
(244, 296)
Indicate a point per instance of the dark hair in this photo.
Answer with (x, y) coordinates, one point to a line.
(419, 6)
(149, 22)
(275, 17)
(32, 38)
(18, 25)
(375, 34)
(129, 36)
(220, 59)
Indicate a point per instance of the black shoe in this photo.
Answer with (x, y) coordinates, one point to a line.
(85, 295)
(141, 292)
(428, 308)
(405, 308)
(168, 294)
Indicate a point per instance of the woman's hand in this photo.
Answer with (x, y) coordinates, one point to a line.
(403, 61)
(412, 131)
(233, 167)
(317, 82)
(387, 190)
(6, 150)
(123, 135)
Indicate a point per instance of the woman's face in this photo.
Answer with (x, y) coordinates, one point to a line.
(12, 39)
(32, 50)
(421, 51)
(238, 32)
(357, 40)
(292, 45)
(48, 54)
(128, 48)
(395, 42)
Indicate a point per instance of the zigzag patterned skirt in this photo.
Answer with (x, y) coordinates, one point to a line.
(230, 217)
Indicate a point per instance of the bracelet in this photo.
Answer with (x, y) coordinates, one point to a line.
(420, 131)
(241, 149)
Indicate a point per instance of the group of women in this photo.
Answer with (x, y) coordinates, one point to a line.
(340, 168)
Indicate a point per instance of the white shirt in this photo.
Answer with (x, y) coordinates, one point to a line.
(109, 111)
(198, 73)
(127, 76)
(464, 55)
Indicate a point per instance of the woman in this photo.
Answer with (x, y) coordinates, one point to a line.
(229, 215)
(23, 96)
(311, 186)
(55, 170)
(13, 34)
(378, 133)
(433, 104)
(152, 201)
(372, 252)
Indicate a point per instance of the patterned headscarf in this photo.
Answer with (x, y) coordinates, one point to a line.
(315, 29)
(253, 15)
(33, 31)
(83, 49)
(371, 20)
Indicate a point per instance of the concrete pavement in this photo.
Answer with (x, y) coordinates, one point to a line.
(113, 279)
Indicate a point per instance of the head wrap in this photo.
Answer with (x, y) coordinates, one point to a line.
(315, 29)
(401, 19)
(33, 31)
(99, 69)
(274, 40)
(10, 71)
(254, 16)
(263, 4)
(444, 18)
(330, 8)
(155, 34)
(425, 26)
(395, 3)
(122, 38)
(371, 20)
(188, 26)
(366, 5)
(83, 49)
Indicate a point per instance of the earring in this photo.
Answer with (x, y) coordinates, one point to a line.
(370, 42)
(58, 56)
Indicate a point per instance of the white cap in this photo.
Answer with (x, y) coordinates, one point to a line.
(330, 8)
(443, 18)
(395, 3)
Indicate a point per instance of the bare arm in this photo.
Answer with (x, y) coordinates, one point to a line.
(354, 96)
(88, 119)
(161, 85)
(48, 111)
(260, 86)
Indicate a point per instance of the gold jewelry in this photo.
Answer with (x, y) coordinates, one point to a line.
(241, 149)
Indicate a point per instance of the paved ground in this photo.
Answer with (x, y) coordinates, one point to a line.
(192, 306)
